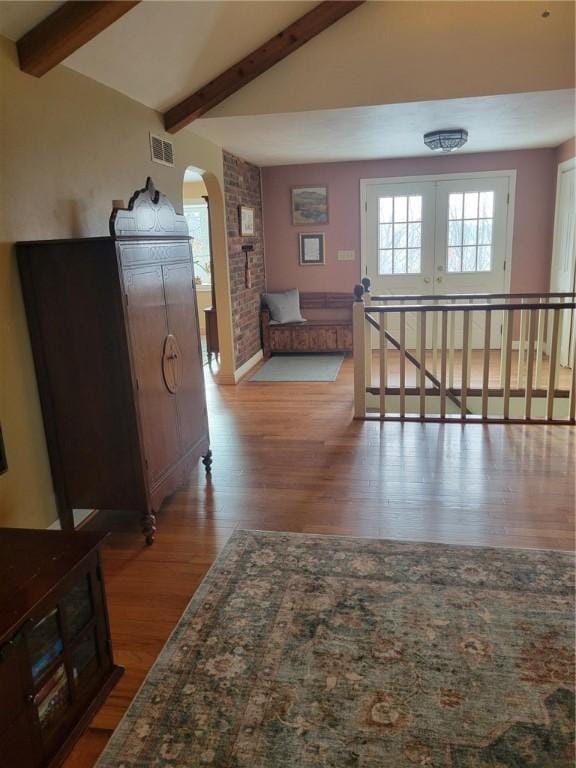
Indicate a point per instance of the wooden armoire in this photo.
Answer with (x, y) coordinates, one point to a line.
(113, 324)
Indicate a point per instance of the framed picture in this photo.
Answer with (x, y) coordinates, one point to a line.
(246, 216)
(311, 248)
(310, 205)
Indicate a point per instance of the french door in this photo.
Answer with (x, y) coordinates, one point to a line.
(437, 236)
(563, 273)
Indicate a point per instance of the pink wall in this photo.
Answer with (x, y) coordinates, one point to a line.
(566, 151)
(533, 220)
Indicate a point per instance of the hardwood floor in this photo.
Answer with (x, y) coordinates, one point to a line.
(563, 382)
(289, 457)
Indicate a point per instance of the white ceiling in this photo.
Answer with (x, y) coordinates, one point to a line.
(161, 51)
(514, 121)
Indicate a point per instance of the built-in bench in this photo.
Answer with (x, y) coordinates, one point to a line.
(328, 326)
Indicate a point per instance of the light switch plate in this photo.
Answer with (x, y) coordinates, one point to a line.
(345, 255)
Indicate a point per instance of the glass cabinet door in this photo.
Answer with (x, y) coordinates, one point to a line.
(77, 607)
(52, 699)
(45, 643)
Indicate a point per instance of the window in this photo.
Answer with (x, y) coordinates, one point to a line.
(470, 224)
(196, 214)
(399, 234)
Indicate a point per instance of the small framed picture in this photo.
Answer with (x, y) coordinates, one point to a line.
(310, 205)
(311, 249)
(246, 216)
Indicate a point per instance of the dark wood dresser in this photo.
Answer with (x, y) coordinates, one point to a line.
(56, 663)
(114, 329)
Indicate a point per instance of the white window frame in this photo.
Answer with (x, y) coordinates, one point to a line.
(365, 184)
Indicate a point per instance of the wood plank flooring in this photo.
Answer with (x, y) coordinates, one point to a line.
(476, 370)
(287, 456)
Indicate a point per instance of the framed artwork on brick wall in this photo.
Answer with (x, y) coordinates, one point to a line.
(246, 217)
(311, 249)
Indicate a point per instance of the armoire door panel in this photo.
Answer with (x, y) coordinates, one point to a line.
(148, 329)
(183, 324)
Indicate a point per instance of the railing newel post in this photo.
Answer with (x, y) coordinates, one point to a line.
(366, 297)
(359, 353)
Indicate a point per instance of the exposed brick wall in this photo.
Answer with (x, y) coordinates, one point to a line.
(242, 187)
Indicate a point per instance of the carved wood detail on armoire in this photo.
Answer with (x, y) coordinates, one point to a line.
(113, 324)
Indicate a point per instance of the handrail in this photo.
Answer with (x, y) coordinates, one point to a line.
(435, 296)
(464, 307)
(526, 328)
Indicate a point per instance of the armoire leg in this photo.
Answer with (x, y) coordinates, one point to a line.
(149, 527)
(207, 461)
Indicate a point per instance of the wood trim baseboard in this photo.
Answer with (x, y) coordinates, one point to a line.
(239, 373)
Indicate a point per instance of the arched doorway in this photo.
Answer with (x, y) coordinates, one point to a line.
(203, 205)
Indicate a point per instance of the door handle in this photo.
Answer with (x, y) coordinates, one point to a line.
(427, 279)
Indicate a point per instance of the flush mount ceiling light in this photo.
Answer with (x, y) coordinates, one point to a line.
(447, 139)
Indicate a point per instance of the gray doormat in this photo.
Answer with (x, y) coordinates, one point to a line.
(299, 368)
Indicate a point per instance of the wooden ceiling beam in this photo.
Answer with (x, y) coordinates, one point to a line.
(277, 48)
(70, 27)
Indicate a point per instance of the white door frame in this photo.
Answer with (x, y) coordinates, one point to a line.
(567, 165)
(510, 175)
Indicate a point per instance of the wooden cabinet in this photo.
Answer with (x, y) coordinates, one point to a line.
(114, 331)
(56, 663)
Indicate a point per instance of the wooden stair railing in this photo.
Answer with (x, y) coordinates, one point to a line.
(410, 357)
(537, 335)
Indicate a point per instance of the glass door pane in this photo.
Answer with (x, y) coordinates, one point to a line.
(52, 699)
(77, 607)
(470, 247)
(44, 643)
(85, 658)
(399, 229)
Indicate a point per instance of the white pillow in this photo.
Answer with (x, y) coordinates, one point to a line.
(284, 307)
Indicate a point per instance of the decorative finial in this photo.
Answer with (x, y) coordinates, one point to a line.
(358, 292)
(366, 282)
(151, 189)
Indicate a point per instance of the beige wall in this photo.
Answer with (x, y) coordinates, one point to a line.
(70, 146)
(204, 300)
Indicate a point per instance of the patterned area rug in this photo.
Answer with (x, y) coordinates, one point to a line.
(303, 651)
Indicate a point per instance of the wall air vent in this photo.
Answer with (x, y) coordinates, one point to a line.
(161, 151)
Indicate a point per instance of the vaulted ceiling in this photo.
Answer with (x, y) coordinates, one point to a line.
(383, 54)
